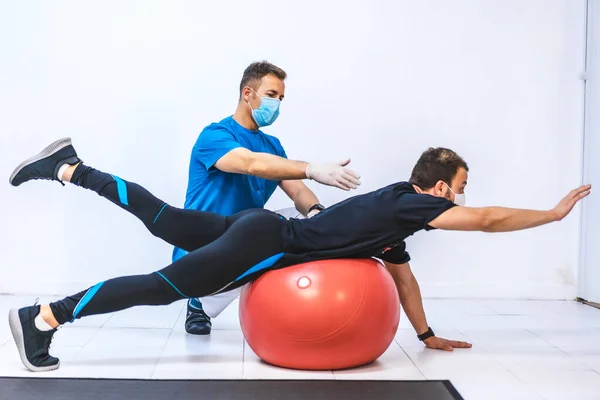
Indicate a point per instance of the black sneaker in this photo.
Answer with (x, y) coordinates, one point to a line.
(46, 163)
(197, 322)
(33, 344)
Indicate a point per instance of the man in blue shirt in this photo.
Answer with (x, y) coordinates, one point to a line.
(234, 166)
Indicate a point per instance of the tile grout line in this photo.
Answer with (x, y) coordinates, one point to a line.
(560, 350)
(496, 360)
(107, 319)
(511, 372)
(243, 355)
(411, 360)
(573, 357)
(165, 345)
(86, 343)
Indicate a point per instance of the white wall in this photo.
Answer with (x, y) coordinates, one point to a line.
(589, 273)
(134, 82)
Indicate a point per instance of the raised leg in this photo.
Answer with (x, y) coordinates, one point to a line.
(186, 229)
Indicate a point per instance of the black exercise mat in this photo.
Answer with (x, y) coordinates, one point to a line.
(128, 389)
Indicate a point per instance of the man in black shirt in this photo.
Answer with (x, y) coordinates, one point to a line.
(228, 252)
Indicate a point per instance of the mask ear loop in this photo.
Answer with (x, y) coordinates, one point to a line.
(247, 102)
(259, 96)
(450, 189)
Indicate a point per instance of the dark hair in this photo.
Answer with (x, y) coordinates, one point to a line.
(258, 70)
(436, 164)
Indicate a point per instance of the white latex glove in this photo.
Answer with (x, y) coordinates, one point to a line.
(334, 174)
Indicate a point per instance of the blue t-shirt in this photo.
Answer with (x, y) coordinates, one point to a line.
(213, 190)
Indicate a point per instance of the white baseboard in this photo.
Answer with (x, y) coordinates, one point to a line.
(527, 291)
(428, 290)
(45, 288)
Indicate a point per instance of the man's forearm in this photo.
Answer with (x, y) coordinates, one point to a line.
(268, 166)
(304, 200)
(410, 296)
(500, 219)
(300, 194)
(412, 304)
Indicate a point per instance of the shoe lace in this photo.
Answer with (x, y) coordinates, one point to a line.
(48, 343)
(48, 340)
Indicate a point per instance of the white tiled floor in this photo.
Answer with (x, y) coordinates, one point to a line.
(521, 349)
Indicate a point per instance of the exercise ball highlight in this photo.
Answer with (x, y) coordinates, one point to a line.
(321, 315)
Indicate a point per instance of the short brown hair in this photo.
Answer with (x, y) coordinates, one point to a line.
(436, 164)
(258, 70)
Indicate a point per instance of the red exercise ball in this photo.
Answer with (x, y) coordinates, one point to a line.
(321, 315)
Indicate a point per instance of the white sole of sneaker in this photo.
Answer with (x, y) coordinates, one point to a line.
(17, 332)
(48, 151)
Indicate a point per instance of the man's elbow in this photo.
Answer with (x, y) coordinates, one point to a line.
(486, 221)
(236, 162)
(255, 168)
(246, 163)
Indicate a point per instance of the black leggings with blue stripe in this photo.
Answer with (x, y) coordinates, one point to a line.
(224, 252)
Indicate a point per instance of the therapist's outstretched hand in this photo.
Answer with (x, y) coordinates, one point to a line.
(334, 174)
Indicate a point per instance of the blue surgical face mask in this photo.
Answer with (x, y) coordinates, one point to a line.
(267, 112)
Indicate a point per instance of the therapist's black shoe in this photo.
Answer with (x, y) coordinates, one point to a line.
(196, 320)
